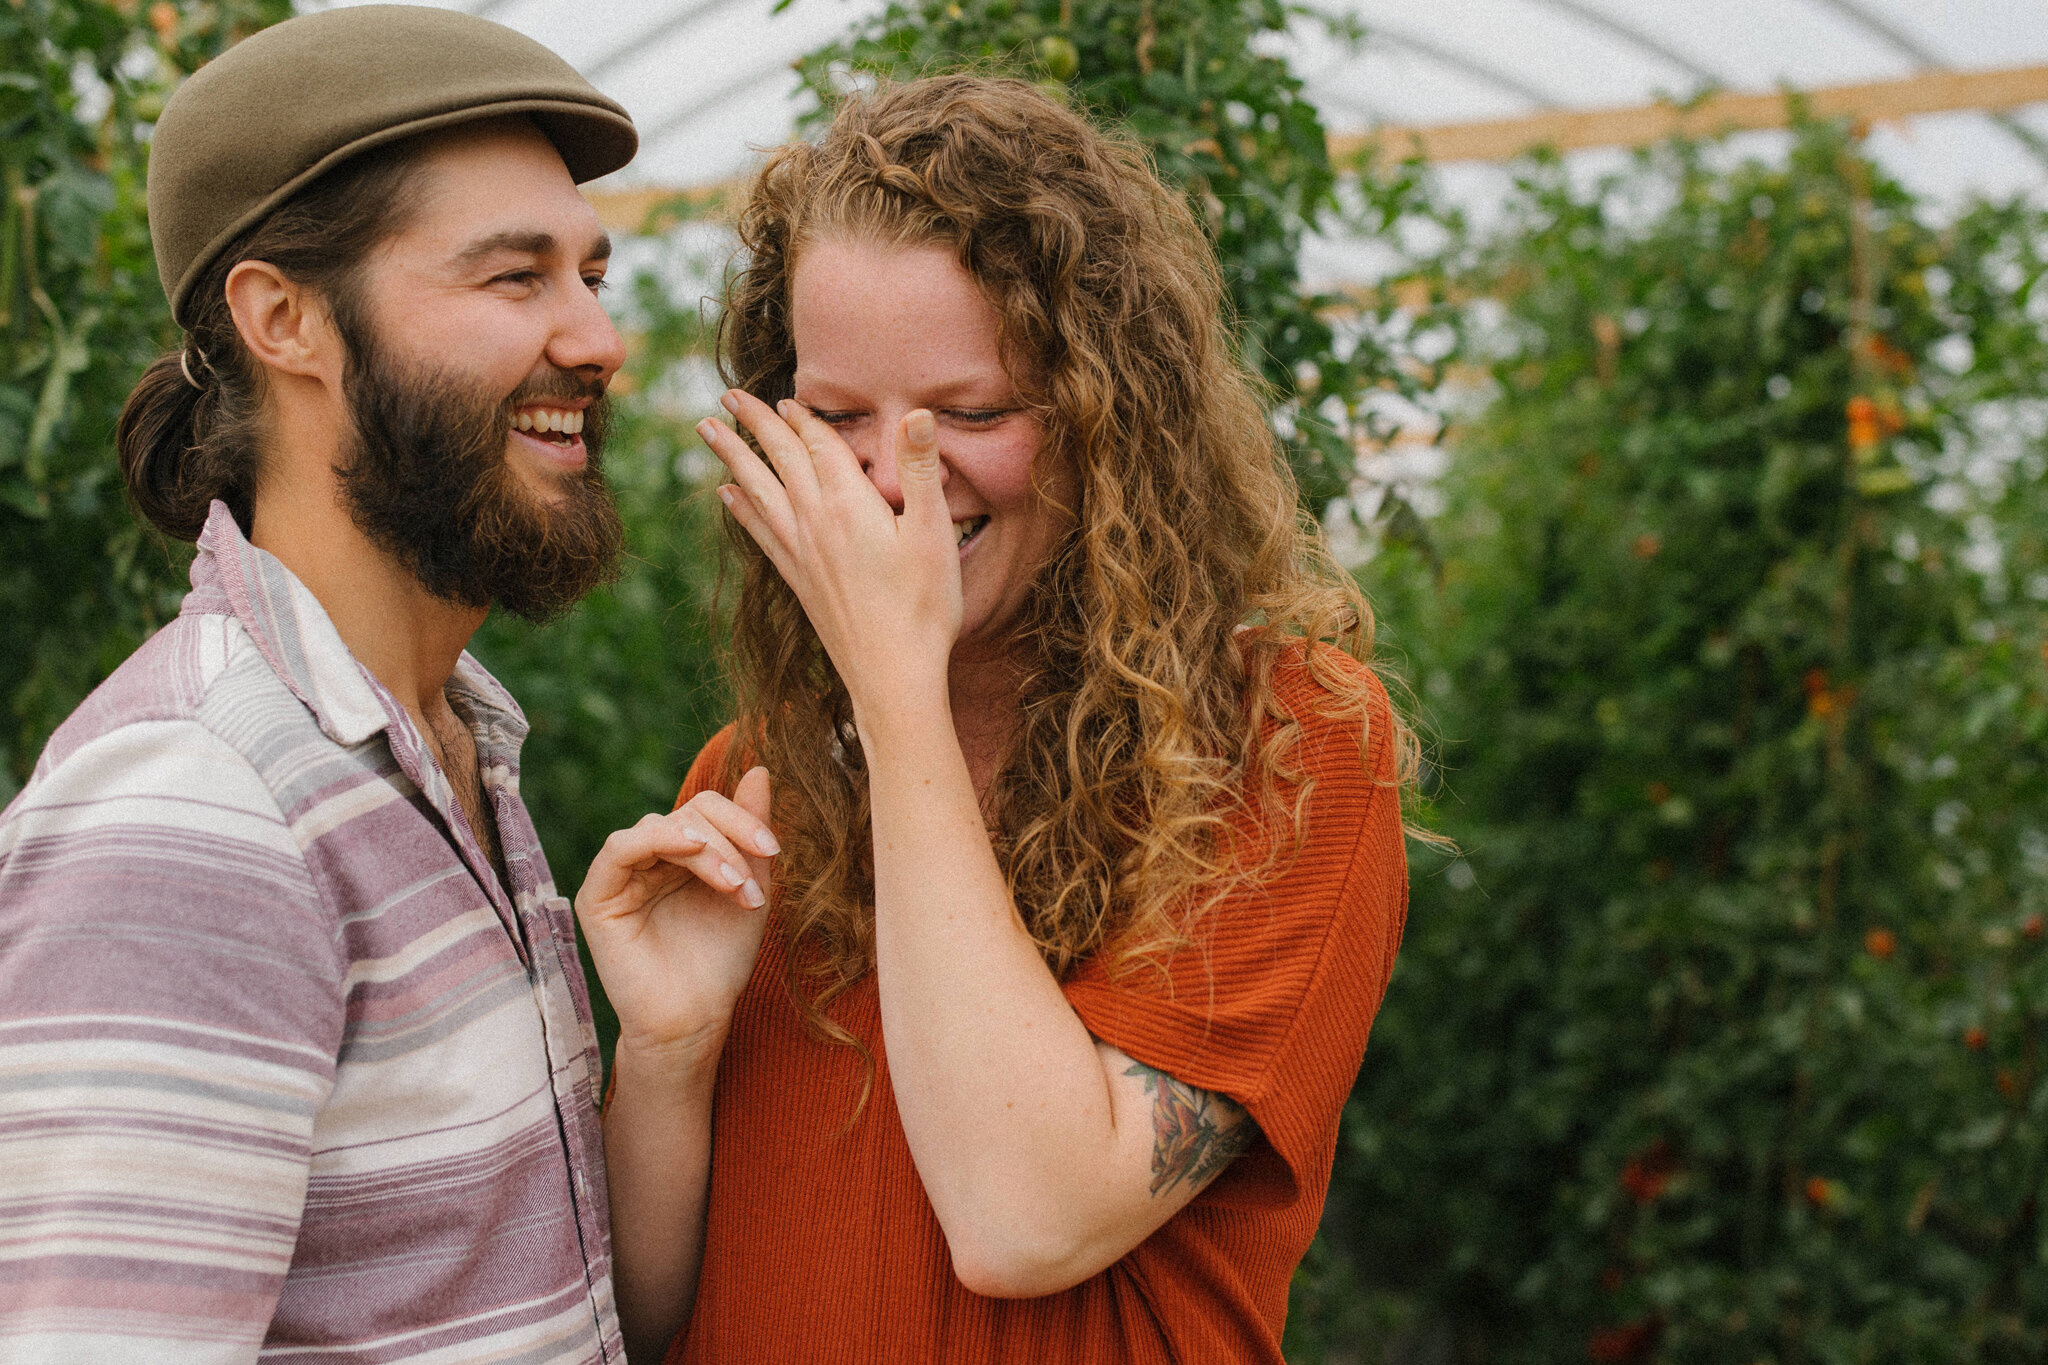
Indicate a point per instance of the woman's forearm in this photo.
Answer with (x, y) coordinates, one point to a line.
(1000, 1088)
(657, 1148)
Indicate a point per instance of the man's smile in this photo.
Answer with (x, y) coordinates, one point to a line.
(555, 434)
(549, 421)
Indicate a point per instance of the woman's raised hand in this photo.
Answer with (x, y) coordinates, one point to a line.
(881, 589)
(673, 910)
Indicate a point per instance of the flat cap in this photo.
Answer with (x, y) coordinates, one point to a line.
(278, 110)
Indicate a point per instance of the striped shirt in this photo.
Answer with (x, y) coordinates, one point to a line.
(286, 1072)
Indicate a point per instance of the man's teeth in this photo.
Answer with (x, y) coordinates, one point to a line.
(568, 421)
(964, 529)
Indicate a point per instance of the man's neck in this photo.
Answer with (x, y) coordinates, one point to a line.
(408, 638)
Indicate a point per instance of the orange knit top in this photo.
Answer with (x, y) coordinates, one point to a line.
(821, 1245)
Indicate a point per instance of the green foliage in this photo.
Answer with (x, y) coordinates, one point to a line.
(1720, 1042)
(1222, 120)
(81, 312)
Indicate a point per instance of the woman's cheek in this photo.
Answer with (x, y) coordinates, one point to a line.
(1007, 480)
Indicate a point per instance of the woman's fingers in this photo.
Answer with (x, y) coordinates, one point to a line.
(749, 473)
(739, 838)
(734, 826)
(722, 867)
(833, 463)
(690, 840)
(918, 469)
(785, 449)
(811, 459)
(748, 514)
(751, 796)
(627, 852)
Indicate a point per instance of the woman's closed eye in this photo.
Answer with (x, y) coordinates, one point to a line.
(976, 417)
(972, 417)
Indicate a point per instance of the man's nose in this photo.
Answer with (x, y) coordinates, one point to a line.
(585, 338)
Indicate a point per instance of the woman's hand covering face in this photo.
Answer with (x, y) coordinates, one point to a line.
(881, 589)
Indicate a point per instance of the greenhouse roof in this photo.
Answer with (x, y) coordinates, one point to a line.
(709, 81)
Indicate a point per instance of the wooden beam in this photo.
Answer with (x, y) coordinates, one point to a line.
(1930, 92)
(657, 208)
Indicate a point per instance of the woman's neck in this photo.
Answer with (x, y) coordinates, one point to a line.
(983, 682)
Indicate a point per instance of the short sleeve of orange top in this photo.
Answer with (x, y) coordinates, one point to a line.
(821, 1245)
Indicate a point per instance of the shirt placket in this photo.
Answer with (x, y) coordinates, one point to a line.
(569, 1045)
(419, 765)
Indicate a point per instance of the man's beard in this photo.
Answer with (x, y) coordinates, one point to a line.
(428, 478)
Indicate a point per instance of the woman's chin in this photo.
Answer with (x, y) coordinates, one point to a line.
(984, 636)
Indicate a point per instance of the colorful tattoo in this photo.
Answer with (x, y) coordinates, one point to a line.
(1195, 1133)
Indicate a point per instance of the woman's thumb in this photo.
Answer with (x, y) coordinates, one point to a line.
(751, 795)
(918, 468)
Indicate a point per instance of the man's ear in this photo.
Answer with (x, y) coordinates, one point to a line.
(285, 327)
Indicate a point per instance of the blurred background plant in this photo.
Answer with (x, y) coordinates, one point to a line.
(1720, 1038)
(81, 312)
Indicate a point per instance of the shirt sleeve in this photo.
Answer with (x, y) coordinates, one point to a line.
(170, 1011)
(1272, 1001)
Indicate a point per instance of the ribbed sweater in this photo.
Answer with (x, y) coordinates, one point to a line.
(821, 1244)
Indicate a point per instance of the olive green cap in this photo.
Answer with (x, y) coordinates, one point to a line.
(284, 106)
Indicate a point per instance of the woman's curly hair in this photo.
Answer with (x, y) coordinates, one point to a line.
(1148, 710)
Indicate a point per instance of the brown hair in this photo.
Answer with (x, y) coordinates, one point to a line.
(1147, 717)
(189, 432)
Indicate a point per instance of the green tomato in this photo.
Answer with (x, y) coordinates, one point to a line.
(1059, 57)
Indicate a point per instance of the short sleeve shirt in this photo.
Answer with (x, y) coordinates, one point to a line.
(287, 1070)
(821, 1244)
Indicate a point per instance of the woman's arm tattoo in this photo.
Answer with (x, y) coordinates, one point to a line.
(1195, 1133)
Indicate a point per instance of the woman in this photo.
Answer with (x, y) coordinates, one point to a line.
(1090, 872)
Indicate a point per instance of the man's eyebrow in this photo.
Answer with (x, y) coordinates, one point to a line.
(528, 244)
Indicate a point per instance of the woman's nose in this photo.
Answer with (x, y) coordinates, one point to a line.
(878, 459)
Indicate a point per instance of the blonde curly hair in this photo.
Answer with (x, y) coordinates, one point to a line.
(1148, 714)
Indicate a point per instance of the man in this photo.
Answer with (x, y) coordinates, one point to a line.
(295, 1055)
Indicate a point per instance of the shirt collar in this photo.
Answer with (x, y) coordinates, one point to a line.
(298, 640)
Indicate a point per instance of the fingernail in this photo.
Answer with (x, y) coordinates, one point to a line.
(704, 430)
(920, 427)
(694, 835)
(752, 891)
(725, 495)
(730, 400)
(765, 841)
(731, 873)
